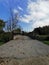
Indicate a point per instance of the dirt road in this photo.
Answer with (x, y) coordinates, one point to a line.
(24, 51)
(24, 47)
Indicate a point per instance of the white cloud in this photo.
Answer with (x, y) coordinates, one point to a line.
(38, 13)
(15, 11)
(40, 23)
(20, 8)
(26, 18)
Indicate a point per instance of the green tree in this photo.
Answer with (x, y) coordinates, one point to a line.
(2, 24)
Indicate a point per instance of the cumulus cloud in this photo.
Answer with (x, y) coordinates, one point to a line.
(38, 12)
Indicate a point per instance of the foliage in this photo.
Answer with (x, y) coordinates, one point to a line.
(24, 33)
(1, 43)
(1, 31)
(17, 31)
(46, 42)
(42, 30)
(5, 37)
(40, 33)
(42, 38)
(2, 24)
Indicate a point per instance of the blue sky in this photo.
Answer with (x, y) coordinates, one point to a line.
(32, 13)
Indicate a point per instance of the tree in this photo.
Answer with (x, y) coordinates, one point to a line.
(42, 30)
(2, 24)
(13, 19)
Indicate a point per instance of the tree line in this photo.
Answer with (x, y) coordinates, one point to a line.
(42, 30)
(40, 33)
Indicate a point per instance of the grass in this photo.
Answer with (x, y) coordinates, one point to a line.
(46, 42)
(1, 43)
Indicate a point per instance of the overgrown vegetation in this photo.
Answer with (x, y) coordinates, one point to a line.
(1, 43)
(40, 33)
(7, 36)
(2, 24)
(46, 42)
(4, 36)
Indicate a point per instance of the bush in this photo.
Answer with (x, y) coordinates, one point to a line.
(1, 31)
(42, 38)
(5, 37)
(47, 38)
(46, 42)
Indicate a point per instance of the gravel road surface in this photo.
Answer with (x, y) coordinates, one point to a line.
(23, 47)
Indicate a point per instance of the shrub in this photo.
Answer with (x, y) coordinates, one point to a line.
(5, 37)
(47, 38)
(42, 38)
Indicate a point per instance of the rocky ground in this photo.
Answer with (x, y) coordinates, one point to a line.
(24, 51)
(26, 61)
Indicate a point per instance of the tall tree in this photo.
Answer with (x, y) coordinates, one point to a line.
(13, 20)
